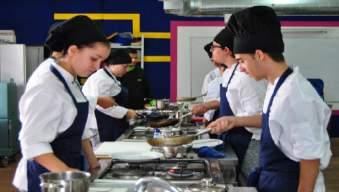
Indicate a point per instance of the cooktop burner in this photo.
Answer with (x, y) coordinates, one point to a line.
(170, 169)
(132, 174)
(185, 174)
(178, 172)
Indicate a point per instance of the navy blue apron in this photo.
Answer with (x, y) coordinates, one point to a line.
(238, 138)
(111, 128)
(67, 146)
(277, 172)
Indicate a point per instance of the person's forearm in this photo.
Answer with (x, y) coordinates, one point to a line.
(106, 101)
(212, 104)
(89, 153)
(249, 121)
(309, 170)
(51, 162)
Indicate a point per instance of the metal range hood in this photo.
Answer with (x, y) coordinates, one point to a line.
(221, 7)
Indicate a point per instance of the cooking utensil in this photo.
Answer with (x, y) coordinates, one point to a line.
(175, 140)
(170, 151)
(162, 103)
(181, 118)
(163, 123)
(183, 99)
(69, 181)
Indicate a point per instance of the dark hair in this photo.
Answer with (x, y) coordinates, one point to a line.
(132, 51)
(79, 30)
(277, 57)
(118, 57)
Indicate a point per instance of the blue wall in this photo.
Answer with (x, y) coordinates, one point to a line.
(31, 19)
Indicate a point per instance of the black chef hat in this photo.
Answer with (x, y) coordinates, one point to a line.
(225, 38)
(118, 57)
(207, 48)
(256, 27)
(79, 30)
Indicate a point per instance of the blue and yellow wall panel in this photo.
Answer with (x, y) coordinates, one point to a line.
(31, 19)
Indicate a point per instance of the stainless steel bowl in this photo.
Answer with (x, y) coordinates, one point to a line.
(170, 151)
(70, 181)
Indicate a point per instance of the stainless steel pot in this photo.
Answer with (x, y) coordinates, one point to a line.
(162, 103)
(70, 181)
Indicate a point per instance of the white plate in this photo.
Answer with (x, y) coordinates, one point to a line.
(206, 142)
(137, 156)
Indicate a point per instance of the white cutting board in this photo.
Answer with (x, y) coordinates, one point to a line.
(109, 148)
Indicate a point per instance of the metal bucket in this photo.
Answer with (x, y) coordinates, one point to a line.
(70, 181)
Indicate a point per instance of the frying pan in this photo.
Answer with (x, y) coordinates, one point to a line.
(163, 123)
(168, 122)
(175, 140)
(183, 99)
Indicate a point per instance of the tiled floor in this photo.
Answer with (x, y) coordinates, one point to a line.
(331, 173)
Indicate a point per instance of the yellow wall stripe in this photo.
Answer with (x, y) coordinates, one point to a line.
(134, 17)
(156, 35)
(157, 59)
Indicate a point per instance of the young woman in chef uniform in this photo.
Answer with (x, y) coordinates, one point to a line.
(112, 122)
(295, 145)
(53, 110)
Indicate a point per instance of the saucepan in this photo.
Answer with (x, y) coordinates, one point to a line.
(175, 140)
(70, 181)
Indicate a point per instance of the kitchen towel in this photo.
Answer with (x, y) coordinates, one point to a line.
(209, 152)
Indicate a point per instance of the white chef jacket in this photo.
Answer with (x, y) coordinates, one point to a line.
(210, 76)
(100, 84)
(209, 87)
(245, 95)
(46, 110)
(213, 93)
(298, 122)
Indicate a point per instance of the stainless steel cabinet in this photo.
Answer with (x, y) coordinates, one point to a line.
(9, 123)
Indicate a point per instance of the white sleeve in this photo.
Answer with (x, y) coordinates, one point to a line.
(91, 123)
(90, 89)
(251, 94)
(116, 111)
(298, 122)
(213, 90)
(40, 111)
(209, 115)
(97, 85)
(309, 122)
(205, 84)
(107, 88)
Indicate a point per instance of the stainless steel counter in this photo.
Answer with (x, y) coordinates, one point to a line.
(227, 165)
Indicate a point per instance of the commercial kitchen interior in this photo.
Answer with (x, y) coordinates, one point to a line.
(172, 34)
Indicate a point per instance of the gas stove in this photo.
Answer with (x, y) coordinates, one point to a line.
(142, 133)
(168, 169)
(185, 174)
